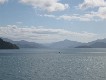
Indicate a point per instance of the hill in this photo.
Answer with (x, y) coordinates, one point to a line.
(64, 44)
(100, 43)
(7, 45)
(25, 44)
(84, 46)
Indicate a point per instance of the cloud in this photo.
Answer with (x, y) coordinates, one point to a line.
(3, 1)
(85, 17)
(48, 5)
(19, 22)
(76, 17)
(43, 34)
(51, 16)
(102, 12)
(92, 16)
(92, 4)
(56, 5)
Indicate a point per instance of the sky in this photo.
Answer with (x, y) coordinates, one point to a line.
(47, 21)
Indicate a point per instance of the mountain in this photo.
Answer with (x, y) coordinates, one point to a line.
(95, 41)
(64, 44)
(60, 44)
(25, 44)
(100, 43)
(7, 45)
(84, 46)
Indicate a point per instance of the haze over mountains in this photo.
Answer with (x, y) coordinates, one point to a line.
(65, 44)
(100, 43)
(25, 44)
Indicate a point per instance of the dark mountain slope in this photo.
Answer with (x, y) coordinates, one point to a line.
(7, 45)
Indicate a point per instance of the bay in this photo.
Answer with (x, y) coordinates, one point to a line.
(53, 64)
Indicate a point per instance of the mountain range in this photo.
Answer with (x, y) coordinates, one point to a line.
(25, 44)
(100, 43)
(64, 44)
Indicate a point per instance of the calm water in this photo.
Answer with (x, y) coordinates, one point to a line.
(43, 64)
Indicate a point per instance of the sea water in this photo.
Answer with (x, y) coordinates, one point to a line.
(52, 64)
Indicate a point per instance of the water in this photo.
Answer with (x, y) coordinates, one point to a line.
(44, 64)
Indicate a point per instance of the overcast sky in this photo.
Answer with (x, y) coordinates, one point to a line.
(53, 20)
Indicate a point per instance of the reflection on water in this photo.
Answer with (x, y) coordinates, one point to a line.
(52, 66)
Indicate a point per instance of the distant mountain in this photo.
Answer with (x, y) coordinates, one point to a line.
(25, 44)
(7, 45)
(64, 44)
(61, 44)
(100, 43)
(95, 41)
(84, 46)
